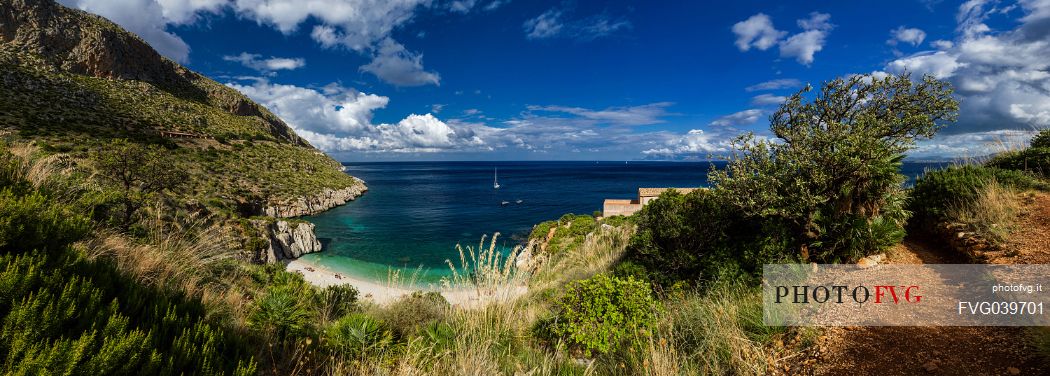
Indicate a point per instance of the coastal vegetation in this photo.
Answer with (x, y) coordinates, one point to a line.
(126, 237)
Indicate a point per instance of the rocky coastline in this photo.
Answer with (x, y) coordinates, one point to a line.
(290, 239)
(286, 240)
(308, 205)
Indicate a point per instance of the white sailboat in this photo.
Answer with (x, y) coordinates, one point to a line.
(495, 178)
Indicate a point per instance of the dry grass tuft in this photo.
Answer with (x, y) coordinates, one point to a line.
(992, 215)
(193, 258)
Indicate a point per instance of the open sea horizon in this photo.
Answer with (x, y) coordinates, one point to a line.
(415, 213)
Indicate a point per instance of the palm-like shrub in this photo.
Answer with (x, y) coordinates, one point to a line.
(283, 311)
(336, 301)
(359, 335)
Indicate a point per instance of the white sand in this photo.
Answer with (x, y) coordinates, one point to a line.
(382, 293)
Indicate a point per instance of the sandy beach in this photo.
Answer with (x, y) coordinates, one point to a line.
(383, 293)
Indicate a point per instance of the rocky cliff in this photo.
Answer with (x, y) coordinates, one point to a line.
(285, 240)
(313, 204)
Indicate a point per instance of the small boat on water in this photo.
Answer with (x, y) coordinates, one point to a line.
(518, 202)
(504, 203)
(495, 178)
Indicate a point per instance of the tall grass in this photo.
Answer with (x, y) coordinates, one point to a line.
(992, 215)
(492, 274)
(721, 330)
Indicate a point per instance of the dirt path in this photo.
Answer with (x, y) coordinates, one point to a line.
(1030, 241)
(886, 351)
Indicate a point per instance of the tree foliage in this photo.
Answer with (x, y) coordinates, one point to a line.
(831, 174)
(138, 172)
(1042, 139)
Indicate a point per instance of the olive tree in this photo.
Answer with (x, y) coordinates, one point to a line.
(831, 173)
(139, 173)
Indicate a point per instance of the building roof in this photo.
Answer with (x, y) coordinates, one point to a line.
(653, 192)
(615, 201)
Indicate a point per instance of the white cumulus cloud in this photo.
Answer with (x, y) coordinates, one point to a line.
(910, 35)
(767, 100)
(782, 83)
(652, 113)
(757, 31)
(804, 45)
(337, 119)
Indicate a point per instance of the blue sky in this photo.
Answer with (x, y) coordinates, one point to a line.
(558, 80)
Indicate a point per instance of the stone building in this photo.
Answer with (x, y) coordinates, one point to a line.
(613, 207)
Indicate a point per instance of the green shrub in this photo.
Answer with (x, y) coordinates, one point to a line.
(1034, 159)
(410, 313)
(539, 231)
(438, 337)
(31, 222)
(570, 232)
(936, 192)
(832, 176)
(61, 313)
(598, 314)
(358, 335)
(693, 237)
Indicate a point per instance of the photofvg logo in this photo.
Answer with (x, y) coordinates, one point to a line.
(840, 294)
(904, 295)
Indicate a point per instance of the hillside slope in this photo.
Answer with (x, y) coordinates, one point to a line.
(41, 38)
(73, 82)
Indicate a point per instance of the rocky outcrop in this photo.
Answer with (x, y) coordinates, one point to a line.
(960, 238)
(326, 199)
(285, 240)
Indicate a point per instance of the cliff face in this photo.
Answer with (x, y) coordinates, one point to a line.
(307, 205)
(286, 240)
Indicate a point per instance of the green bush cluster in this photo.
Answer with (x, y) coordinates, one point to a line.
(29, 222)
(937, 191)
(828, 189)
(1034, 159)
(598, 314)
(697, 236)
(287, 308)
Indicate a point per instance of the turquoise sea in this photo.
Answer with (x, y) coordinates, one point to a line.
(415, 213)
